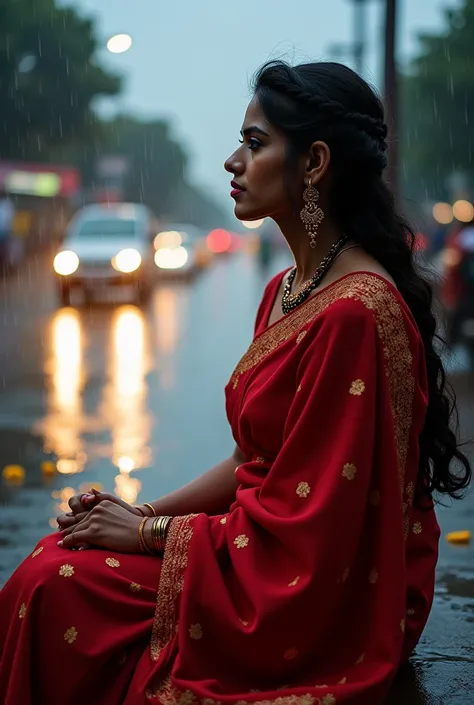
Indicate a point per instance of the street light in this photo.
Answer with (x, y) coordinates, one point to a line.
(119, 43)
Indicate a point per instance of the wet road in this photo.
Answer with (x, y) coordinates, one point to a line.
(132, 400)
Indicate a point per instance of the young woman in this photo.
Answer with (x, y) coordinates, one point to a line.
(300, 570)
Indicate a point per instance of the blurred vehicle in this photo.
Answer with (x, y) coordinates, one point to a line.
(457, 290)
(180, 250)
(107, 245)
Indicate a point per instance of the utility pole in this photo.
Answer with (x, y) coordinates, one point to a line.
(391, 93)
(360, 36)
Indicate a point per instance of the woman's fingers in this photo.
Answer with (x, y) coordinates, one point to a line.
(66, 520)
(102, 496)
(76, 504)
(77, 539)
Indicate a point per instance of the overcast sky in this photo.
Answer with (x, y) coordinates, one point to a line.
(191, 60)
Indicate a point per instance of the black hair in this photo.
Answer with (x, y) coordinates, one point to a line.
(329, 102)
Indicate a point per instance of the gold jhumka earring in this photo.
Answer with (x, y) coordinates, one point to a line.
(311, 214)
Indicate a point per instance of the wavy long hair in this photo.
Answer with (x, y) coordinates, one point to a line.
(330, 102)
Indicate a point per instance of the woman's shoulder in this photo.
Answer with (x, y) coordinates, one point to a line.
(362, 296)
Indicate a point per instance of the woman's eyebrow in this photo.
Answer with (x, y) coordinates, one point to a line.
(253, 128)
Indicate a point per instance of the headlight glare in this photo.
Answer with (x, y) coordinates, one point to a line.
(127, 261)
(66, 263)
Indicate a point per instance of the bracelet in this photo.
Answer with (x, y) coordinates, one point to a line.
(158, 532)
(141, 540)
(151, 508)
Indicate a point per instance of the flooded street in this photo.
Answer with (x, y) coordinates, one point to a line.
(131, 399)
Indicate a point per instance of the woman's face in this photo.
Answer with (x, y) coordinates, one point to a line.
(258, 168)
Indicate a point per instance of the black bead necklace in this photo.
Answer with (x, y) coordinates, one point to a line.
(291, 301)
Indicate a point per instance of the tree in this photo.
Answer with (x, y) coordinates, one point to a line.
(438, 107)
(49, 77)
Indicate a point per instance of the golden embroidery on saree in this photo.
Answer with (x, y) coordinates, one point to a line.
(241, 541)
(294, 582)
(174, 565)
(223, 520)
(37, 552)
(417, 528)
(357, 388)
(135, 587)
(22, 611)
(301, 336)
(112, 562)
(303, 490)
(373, 576)
(167, 694)
(70, 635)
(66, 570)
(349, 471)
(195, 631)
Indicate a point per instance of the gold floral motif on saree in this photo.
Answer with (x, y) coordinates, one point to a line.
(417, 527)
(343, 681)
(70, 635)
(223, 520)
(112, 562)
(22, 611)
(357, 388)
(66, 570)
(301, 336)
(174, 566)
(349, 471)
(377, 297)
(241, 541)
(37, 552)
(195, 631)
(135, 587)
(294, 582)
(373, 576)
(303, 490)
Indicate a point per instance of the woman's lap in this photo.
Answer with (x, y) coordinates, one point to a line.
(75, 622)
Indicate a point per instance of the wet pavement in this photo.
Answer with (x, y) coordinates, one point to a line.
(131, 399)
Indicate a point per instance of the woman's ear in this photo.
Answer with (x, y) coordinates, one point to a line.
(317, 162)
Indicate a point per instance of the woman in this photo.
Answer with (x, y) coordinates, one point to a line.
(300, 570)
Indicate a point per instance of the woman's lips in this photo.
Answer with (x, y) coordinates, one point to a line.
(236, 189)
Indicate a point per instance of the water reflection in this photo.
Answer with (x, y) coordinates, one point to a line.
(168, 310)
(64, 371)
(125, 396)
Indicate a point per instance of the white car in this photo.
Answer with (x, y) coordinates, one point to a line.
(181, 250)
(107, 245)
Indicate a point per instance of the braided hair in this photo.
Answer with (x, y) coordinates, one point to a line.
(329, 102)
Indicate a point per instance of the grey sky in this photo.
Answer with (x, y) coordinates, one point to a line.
(191, 61)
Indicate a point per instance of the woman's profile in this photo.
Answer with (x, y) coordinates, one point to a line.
(299, 570)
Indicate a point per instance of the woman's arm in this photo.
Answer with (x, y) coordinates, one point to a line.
(211, 493)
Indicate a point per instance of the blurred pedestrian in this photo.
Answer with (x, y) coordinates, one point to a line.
(299, 570)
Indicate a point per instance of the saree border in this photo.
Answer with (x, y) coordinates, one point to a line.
(171, 582)
(374, 292)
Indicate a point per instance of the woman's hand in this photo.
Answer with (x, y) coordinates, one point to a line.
(81, 504)
(107, 525)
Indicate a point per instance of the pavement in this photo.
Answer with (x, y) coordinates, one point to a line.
(132, 400)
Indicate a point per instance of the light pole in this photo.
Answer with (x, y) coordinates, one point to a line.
(360, 35)
(391, 93)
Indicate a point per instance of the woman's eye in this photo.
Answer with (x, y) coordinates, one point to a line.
(253, 143)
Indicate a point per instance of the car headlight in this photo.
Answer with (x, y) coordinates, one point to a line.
(66, 263)
(175, 258)
(127, 261)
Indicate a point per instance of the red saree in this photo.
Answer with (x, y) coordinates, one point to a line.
(316, 584)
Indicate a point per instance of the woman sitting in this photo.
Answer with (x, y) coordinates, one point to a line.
(300, 570)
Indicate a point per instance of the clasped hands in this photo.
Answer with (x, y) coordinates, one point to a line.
(99, 519)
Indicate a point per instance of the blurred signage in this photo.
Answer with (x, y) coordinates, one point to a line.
(112, 167)
(42, 180)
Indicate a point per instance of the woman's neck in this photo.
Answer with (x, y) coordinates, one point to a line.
(307, 259)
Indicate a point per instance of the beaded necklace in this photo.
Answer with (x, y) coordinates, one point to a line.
(291, 301)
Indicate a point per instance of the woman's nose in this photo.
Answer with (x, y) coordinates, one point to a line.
(233, 165)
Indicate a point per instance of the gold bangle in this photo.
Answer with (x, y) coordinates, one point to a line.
(151, 507)
(158, 532)
(141, 539)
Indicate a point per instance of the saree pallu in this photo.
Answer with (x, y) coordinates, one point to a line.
(318, 581)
